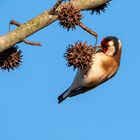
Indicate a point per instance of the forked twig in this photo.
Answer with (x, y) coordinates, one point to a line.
(13, 22)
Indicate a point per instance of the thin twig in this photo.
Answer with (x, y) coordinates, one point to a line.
(52, 11)
(32, 43)
(88, 30)
(13, 22)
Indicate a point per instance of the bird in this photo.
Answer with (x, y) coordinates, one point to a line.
(106, 62)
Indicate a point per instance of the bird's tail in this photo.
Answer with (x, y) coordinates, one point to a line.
(63, 96)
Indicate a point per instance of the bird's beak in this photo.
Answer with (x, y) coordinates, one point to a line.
(99, 49)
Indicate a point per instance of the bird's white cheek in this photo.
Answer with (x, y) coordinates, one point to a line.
(111, 43)
(110, 51)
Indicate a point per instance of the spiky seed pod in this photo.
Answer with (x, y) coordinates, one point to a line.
(69, 16)
(10, 58)
(100, 8)
(80, 56)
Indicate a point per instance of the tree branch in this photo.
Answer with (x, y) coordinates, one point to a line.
(39, 22)
(13, 22)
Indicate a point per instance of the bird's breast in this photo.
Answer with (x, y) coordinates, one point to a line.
(101, 69)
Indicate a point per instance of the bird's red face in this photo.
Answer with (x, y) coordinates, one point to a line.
(110, 45)
(104, 45)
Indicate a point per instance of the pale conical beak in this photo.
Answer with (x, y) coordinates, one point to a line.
(99, 49)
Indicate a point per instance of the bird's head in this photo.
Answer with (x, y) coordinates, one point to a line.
(110, 45)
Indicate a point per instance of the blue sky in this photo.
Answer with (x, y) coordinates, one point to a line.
(28, 97)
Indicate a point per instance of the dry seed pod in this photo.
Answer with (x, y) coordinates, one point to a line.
(100, 8)
(10, 58)
(80, 56)
(69, 16)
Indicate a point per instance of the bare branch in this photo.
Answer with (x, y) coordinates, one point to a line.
(39, 22)
(13, 22)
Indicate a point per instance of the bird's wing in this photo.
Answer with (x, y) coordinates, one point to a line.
(79, 91)
(63, 96)
(75, 92)
(71, 93)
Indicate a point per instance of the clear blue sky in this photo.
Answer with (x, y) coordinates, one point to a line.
(28, 95)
